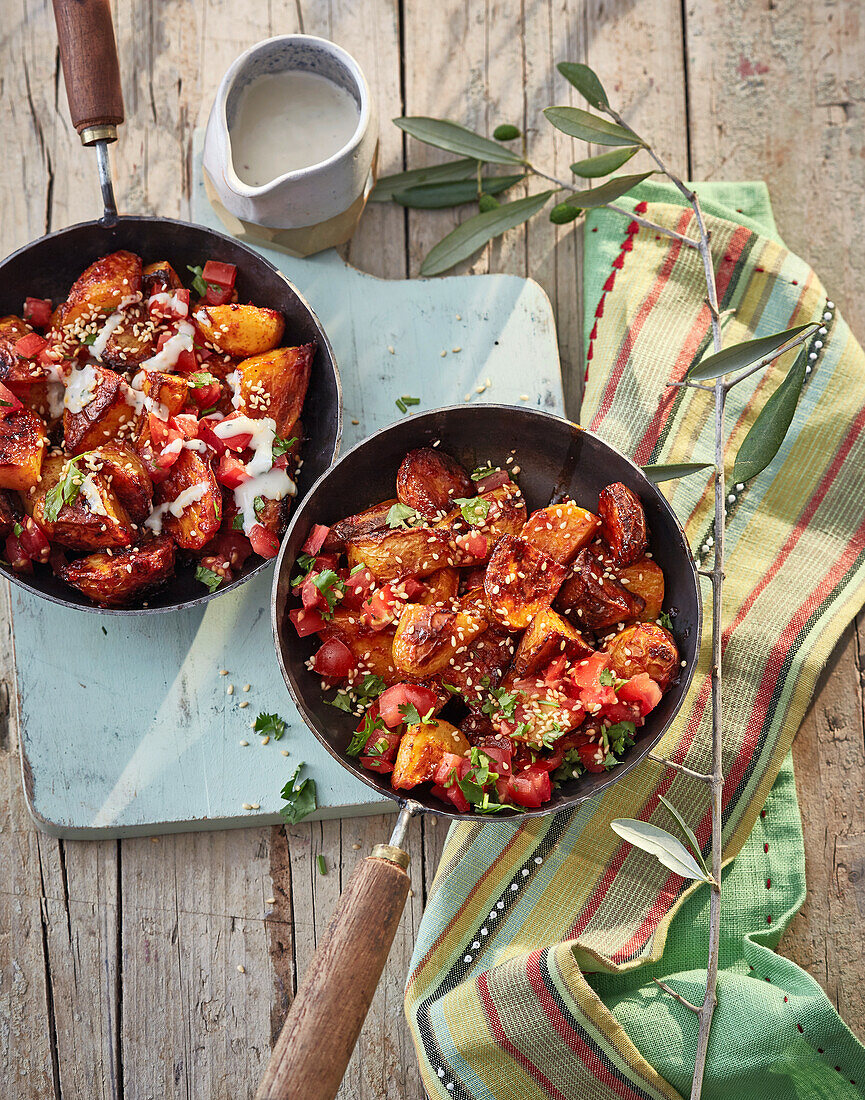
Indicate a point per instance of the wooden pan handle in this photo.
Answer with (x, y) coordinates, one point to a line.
(313, 1050)
(88, 54)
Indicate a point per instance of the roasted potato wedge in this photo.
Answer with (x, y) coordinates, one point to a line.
(23, 440)
(548, 636)
(623, 523)
(428, 481)
(133, 342)
(561, 530)
(427, 638)
(274, 384)
(103, 416)
(374, 653)
(645, 647)
(199, 520)
(363, 523)
(12, 328)
(169, 390)
(593, 598)
(158, 277)
(240, 331)
(481, 666)
(101, 288)
(126, 474)
(520, 581)
(10, 512)
(114, 579)
(422, 749)
(504, 514)
(645, 578)
(442, 586)
(94, 520)
(400, 552)
(26, 378)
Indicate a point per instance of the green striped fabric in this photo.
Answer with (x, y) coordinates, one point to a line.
(532, 975)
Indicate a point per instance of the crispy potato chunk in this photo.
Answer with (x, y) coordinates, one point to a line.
(428, 481)
(12, 328)
(94, 520)
(129, 479)
(274, 384)
(442, 586)
(200, 519)
(373, 653)
(100, 288)
(102, 417)
(561, 530)
(645, 647)
(158, 277)
(10, 512)
(169, 390)
(400, 552)
(645, 578)
(505, 515)
(548, 636)
(422, 749)
(486, 659)
(623, 523)
(362, 523)
(520, 581)
(133, 342)
(241, 331)
(115, 579)
(593, 598)
(23, 440)
(427, 638)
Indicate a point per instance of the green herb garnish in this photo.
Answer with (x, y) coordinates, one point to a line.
(474, 509)
(606, 677)
(90, 338)
(405, 402)
(269, 725)
(322, 865)
(198, 283)
(200, 378)
(280, 446)
(361, 736)
(304, 562)
(359, 695)
(481, 472)
(258, 506)
(412, 717)
(665, 621)
(330, 586)
(402, 515)
(500, 700)
(65, 491)
(237, 523)
(208, 578)
(618, 737)
(299, 797)
(18, 530)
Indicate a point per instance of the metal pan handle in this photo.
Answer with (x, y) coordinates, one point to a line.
(88, 54)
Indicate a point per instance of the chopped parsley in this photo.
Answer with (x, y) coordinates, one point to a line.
(208, 578)
(378, 749)
(480, 472)
(200, 378)
(237, 523)
(269, 725)
(65, 491)
(500, 699)
(360, 737)
(665, 621)
(90, 338)
(362, 694)
(330, 586)
(304, 562)
(474, 509)
(299, 797)
(404, 403)
(403, 515)
(198, 283)
(280, 446)
(17, 530)
(258, 506)
(412, 717)
(606, 677)
(476, 780)
(619, 737)
(610, 761)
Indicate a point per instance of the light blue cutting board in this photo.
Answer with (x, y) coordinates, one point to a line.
(126, 724)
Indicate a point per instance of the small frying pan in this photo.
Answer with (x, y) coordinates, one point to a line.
(555, 459)
(48, 267)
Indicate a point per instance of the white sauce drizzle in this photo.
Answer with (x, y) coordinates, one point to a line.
(92, 495)
(169, 353)
(273, 485)
(177, 506)
(80, 388)
(97, 348)
(263, 432)
(233, 380)
(169, 301)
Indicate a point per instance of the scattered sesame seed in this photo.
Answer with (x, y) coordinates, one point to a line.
(265, 739)
(355, 847)
(223, 672)
(284, 752)
(444, 353)
(245, 703)
(270, 901)
(244, 743)
(241, 969)
(230, 689)
(524, 397)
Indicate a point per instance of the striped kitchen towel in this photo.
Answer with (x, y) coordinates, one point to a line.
(532, 974)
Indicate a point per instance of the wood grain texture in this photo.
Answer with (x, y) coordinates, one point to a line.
(118, 961)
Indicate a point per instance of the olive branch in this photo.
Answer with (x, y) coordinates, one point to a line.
(468, 180)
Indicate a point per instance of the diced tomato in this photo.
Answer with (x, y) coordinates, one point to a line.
(164, 337)
(29, 346)
(501, 755)
(592, 756)
(34, 541)
(382, 761)
(310, 594)
(231, 545)
(231, 472)
(405, 695)
(206, 432)
(264, 542)
(315, 539)
(357, 588)
(598, 697)
(553, 671)
(17, 556)
(530, 788)
(451, 764)
(334, 661)
(173, 307)
(8, 400)
(219, 273)
(205, 397)
(585, 672)
(493, 481)
(240, 440)
(379, 610)
(186, 424)
(161, 431)
(38, 311)
(186, 362)
(474, 543)
(454, 795)
(322, 562)
(307, 621)
(642, 690)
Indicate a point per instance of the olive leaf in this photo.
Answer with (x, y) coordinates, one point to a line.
(657, 473)
(581, 124)
(739, 356)
(604, 163)
(767, 433)
(668, 849)
(388, 186)
(444, 134)
(607, 192)
(436, 196)
(586, 81)
(688, 834)
(475, 232)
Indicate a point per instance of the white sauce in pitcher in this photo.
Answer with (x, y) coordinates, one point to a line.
(287, 121)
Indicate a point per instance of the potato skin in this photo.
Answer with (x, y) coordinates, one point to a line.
(129, 479)
(169, 390)
(198, 522)
(158, 277)
(77, 525)
(427, 638)
(274, 384)
(548, 636)
(109, 581)
(593, 599)
(374, 653)
(506, 515)
(125, 350)
(645, 578)
(100, 288)
(23, 440)
(362, 523)
(422, 749)
(102, 417)
(442, 586)
(561, 530)
(623, 523)
(645, 647)
(400, 552)
(428, 481)
(240, 330)
(487, 658)
(520, 581)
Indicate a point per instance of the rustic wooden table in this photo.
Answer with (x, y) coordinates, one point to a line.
(120, 961)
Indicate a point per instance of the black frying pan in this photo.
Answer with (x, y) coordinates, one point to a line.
(48, 267)
(556, 459)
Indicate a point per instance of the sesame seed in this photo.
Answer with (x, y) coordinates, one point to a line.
(241, 969)
(230, 689)
(244, 743)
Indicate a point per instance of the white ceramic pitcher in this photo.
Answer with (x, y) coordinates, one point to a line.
(309, 209)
